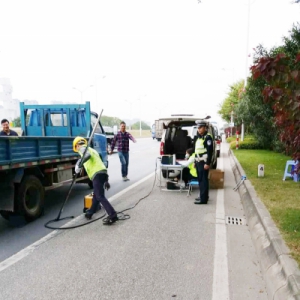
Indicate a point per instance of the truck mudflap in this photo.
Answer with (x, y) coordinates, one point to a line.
(7, 188)
(7, 199)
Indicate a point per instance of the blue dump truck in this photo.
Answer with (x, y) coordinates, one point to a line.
(42, 157)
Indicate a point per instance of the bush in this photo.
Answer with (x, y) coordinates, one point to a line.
(246, 144)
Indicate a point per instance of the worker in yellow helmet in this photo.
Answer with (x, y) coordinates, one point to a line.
(97, 173)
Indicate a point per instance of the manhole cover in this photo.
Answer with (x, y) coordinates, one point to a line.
(235, 220)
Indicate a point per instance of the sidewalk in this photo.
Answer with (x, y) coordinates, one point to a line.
(280, 270)
(169, 248)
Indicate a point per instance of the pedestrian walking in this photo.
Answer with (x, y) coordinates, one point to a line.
(203, 144)
(123, 137)
(97, 172)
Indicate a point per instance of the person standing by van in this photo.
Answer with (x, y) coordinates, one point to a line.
(203, 144)
(123, 138)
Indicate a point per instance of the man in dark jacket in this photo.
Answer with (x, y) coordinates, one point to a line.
(5, 129)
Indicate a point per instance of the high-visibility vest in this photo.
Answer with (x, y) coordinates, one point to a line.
(199, 148)
(94, 165)
(193, 170)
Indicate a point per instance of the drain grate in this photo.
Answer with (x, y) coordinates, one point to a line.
(235, 220)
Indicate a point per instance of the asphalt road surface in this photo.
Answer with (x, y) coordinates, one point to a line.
(170, 248)
(142, 162)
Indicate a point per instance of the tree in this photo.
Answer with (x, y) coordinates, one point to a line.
(17, 122)
(281, 72)
(144, 126)
(231, 101)
(110, 121)
(258, 115)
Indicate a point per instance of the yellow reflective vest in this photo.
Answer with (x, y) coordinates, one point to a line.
(94, 164)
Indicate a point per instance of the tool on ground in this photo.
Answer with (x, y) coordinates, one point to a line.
(243, 178)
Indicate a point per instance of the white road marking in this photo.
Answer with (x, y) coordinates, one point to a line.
(220, 277)
(29, 249)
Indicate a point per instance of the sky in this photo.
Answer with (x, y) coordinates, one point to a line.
(136, 58)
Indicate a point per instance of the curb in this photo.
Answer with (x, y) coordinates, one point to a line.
(280, 270)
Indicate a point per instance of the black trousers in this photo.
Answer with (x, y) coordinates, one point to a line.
(202, 175)
(99, 196)
(187, 176)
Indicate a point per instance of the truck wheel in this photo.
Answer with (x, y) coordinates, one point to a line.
(30, 201)
(5, 214)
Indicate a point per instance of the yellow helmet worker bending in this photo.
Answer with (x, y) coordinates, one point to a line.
(97, 173)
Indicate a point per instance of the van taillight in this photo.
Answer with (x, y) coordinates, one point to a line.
(161, 149)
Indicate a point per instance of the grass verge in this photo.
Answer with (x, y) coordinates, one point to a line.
(282, 198)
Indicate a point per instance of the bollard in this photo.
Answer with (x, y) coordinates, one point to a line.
(261, 170)
(237, 141)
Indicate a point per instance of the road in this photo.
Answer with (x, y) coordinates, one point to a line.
(143, 156)
(169, 248)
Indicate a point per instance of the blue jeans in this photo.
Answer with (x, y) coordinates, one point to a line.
(124, 159)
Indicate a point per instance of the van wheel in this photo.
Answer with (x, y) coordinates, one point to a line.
(30, 198)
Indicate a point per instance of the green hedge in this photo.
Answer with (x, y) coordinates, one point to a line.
(246, 144)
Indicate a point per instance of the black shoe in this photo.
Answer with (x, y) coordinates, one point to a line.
(88, 216)
(198, 199)
(200, 202)
(110, 220)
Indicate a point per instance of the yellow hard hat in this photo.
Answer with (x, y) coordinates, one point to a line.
(77, 140)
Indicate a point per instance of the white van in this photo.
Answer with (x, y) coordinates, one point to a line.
(179, 134)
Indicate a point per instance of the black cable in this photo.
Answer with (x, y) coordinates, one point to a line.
(123, 218)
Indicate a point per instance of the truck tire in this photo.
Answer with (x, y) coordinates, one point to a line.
(5, 214)
(30, 198)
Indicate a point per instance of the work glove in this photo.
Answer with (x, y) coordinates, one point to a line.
(106, 185)
(77, 168)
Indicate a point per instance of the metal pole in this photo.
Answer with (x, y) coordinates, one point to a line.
(140, 117)
(246, 69)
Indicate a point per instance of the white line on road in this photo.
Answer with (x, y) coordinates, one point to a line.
(220, 279)
(29, 249)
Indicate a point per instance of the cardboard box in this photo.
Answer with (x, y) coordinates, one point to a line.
(216, 179)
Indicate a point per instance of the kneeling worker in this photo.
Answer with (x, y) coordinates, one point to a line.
(97, 172)
(189, 173)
